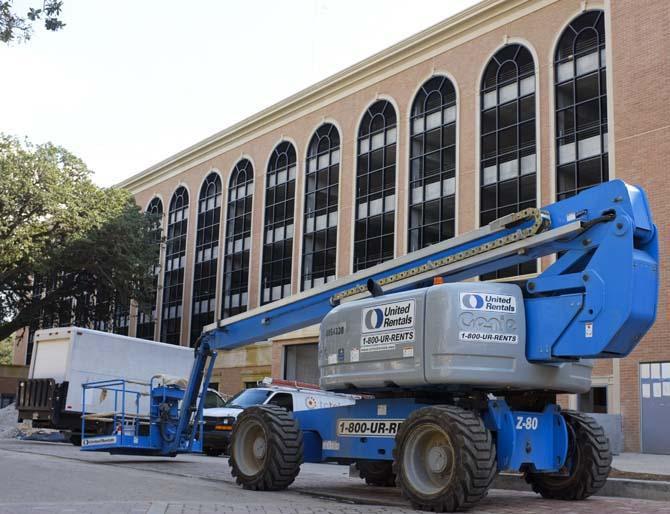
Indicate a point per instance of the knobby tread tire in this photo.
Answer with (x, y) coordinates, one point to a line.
(378, 473)
(594, 461)
(284, 453)
(474, 451)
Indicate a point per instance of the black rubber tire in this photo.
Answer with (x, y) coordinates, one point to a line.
(474, 459)
(75, 439)
(589, 462)
(377, 472)
(284, 448)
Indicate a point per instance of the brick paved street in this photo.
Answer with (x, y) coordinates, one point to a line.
(57, 478)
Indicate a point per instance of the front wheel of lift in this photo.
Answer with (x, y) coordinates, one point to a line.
(445, 459)
(587, 465)
(266, 449)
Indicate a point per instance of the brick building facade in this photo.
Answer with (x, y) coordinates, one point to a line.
(511, 103)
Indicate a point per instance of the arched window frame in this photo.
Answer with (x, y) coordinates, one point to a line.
(322, 171)
(375, 194)
(146, 322)
(175, 262)
(205, 264)
(432, 164)
(235, 291)
(279, 225)
(508, 140)
(580, 93)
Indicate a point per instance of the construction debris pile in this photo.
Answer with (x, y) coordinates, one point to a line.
(8, 425)
(11, 429)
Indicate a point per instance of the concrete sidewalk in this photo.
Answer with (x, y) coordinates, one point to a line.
(634, 475)
(642, 463)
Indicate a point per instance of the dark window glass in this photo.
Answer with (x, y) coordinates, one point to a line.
(212, 399)
(375, 186)
(283, 400)
(147, 315)
(322, 172)
(508, 156)
(249, 398)
(206, 255)
(238, 240)
(121, 316)
(432, 183)
(581, 105)
(175, 260)
(278, 229)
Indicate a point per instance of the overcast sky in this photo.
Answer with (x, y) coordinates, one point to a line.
(128, 83)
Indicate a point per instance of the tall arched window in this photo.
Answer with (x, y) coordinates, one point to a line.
(206, 255)
(432, 180)
(375, 186)
(175, 260)
(508, 156)
(147, 315)
(238, 240)
(321, 201)
(581, 105)
(278, 232)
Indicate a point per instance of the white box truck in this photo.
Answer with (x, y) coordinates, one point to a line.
(65, 358)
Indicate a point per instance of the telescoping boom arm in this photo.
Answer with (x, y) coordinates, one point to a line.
(596, 300)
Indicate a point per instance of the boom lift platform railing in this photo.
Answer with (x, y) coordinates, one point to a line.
(126, 429)
(595, 300)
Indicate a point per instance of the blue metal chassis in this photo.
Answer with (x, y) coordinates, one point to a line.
(537, 439)
(596, 300)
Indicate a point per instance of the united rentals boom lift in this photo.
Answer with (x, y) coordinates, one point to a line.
(460, 379)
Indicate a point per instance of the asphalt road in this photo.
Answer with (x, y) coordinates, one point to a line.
(57, 478)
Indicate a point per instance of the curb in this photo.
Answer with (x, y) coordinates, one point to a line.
(616, 487)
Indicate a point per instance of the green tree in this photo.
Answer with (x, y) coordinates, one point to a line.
(74, 240)
(6, 351)
(14, 26)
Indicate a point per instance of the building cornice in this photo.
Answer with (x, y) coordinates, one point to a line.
(450, 32)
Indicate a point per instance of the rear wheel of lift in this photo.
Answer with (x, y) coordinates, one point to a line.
(266, 448)
(445, 459)
(377, 472)
(587, 465)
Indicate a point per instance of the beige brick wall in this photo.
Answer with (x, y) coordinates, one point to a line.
(232, 380)
(641, 104)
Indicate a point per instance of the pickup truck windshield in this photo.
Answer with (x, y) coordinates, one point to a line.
(248, 397)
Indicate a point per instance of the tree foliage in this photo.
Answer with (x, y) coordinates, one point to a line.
(18, 27)
(69, 250)
(6, 352)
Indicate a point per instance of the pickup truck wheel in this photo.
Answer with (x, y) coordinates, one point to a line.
(266, 448)
(587, 465)
(377, 472)
(75, 439)
(445, 459)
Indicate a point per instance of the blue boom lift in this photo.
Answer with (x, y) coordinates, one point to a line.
(443, 443)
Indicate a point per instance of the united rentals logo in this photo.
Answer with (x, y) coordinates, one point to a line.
(388, 317)
(488, 302)
(472, 301)
(374, 319)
